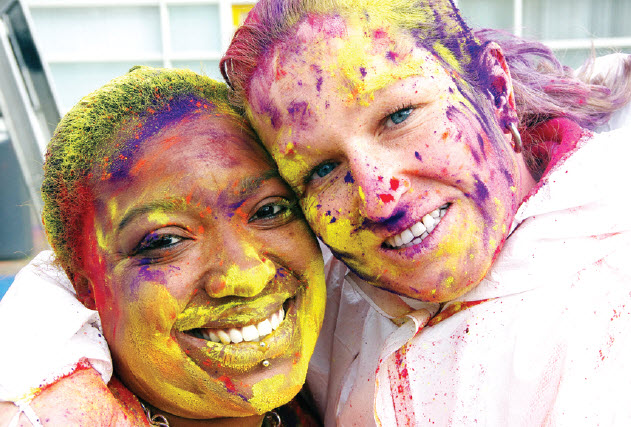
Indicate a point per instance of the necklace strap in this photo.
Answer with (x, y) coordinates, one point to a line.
(155, 420)
(272, 419)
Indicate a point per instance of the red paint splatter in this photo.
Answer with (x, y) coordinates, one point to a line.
(386, 198)
(228, 383)
(394, 184)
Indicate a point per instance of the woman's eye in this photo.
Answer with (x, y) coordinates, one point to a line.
(153, 242)
(323, 170)
(269, 211)
(400, 116)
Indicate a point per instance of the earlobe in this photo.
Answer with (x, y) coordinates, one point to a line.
(83, 288)
(497, 82)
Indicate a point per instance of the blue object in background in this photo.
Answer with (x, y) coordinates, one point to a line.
(5, 282)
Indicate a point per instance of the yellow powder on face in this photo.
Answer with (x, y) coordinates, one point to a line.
(158, 365)
(112, 207)
(100, 238)
(447, 282)
(158, 217)
(247, 282)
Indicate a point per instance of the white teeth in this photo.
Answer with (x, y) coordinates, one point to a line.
(223, 336)
(428, 222)
(247, 333)
(264, 328)
(235, 335)
(212, 336)
(274, 321)
(250, 333)
(407, 236)
(419, 231)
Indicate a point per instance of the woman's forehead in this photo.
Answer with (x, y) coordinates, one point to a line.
(367, 56)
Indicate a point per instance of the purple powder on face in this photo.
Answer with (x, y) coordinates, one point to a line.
(298, 110)
(333, 220)
(319, 82)
(418, 156)
(147, 275)
(153, 123)
(481, 144)
(509, 178)
(363, 71)
(391, 56)
(475, 157)
(481, 191)
(349, 178)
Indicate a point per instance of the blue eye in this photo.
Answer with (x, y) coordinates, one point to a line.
(323, 170)
(400, 116)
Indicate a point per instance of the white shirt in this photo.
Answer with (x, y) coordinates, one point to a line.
(550, 347)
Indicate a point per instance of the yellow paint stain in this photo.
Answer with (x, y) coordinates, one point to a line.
(247, 282)
(289, 148)
(447, 282)
(158, 217)
(362, 196)
(447, 56)
(100, 238)
(112, 208)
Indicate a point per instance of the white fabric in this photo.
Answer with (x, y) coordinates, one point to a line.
(552, 348)
(45, 331)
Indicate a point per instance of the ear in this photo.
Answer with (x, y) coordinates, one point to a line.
(84, 289)
(496, 81)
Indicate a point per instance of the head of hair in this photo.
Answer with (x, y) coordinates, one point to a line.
(544, 89)
(89, 142)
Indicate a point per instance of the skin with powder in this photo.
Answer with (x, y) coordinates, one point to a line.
(208, 283)
(395, 167)
(189, 254)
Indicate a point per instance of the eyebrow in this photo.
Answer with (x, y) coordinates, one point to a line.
(159, 205)
(244, 188)
(247, 186)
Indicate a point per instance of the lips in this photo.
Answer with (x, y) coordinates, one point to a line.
(417, 232)
(238, 356)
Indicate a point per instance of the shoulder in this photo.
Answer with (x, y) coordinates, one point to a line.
(81, 398)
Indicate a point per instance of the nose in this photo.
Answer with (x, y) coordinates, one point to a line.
(244, 272)
(380, 186)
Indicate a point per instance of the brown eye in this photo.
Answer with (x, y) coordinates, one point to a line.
(269, 211)
(156, 242)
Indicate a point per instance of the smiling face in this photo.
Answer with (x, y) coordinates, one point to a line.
(391, 160)
(201, 271)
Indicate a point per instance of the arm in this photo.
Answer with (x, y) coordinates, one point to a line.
(80, 399)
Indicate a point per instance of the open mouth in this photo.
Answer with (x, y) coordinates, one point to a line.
(253, 332)
(418, 232)
(249, 333)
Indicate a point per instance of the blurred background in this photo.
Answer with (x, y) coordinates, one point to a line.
(81, 44)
